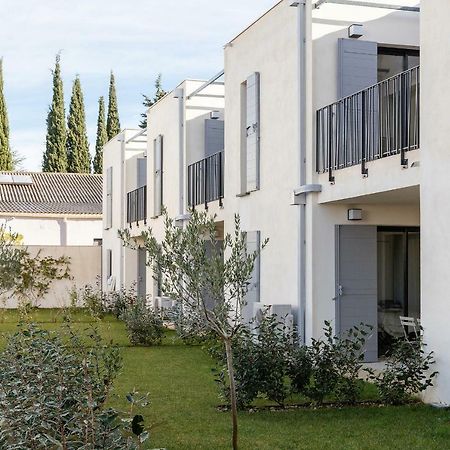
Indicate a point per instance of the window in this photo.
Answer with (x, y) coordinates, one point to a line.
(109, 200)
(392, 61)
(158, 176)
(250, 133)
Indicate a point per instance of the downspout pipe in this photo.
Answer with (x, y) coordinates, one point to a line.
(302, 103)
(180, 95)
(122, 205)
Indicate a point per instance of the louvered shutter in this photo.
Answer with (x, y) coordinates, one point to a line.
(358, 62)
(253, 244)
(141, 172)
(253, 132)
(109, 186)
(214, 136)
(158, 176)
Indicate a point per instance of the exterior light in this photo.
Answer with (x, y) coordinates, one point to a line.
(354, 214)
(355, 31)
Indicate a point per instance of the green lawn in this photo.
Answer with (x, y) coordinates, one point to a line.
(183, 412)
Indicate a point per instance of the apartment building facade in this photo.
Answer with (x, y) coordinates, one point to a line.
(174, 164)
(324, 155)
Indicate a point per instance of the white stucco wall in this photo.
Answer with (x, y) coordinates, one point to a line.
(116, 154)
(435, 206)
(41, 230)
(269, 47)
(85, 268)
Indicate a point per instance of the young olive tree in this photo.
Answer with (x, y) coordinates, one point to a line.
(24, 277)
(208, 277)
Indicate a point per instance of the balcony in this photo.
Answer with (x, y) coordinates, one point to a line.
(205, 180)
(377, 122)
(137, 206)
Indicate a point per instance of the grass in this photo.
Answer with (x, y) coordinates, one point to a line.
(183, 413)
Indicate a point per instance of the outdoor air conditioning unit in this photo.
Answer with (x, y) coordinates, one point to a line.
(251, 311)
(284, 314)
(164, 302)
(214, 115)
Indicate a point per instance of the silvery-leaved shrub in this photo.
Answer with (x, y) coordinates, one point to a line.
(144, 325)
(53, 390)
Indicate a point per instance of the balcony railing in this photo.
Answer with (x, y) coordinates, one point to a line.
(205, 180)
(137, 205)
(374, 123)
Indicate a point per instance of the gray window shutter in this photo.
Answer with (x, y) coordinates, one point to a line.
(214, 136)
(358, 61)
(109, 187)
(253, 244)
(141, 172)
(108, 263)
(253, 129)
(158, 178)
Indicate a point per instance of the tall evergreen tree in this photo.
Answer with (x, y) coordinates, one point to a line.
(55, 157)
(112, 122)
(102, 137)
(6, 159)
(78, 157)
(148, 101)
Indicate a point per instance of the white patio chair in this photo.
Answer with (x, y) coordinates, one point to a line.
(408, 322)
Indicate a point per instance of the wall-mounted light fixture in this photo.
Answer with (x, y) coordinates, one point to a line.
(355, 31)
(354, 214)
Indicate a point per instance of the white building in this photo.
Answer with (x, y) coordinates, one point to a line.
(56, 214)
(324, 156)
(52, 208)
(162, 166)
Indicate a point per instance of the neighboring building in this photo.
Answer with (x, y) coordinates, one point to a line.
(56, 214)
(162, 166)
(325, 156)
(52, 208)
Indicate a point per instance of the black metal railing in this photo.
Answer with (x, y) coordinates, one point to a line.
(137, 205)
(376, 122)
(205, 180)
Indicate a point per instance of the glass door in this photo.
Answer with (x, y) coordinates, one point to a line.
(398, 260)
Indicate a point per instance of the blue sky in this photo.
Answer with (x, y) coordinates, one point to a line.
(137, 39)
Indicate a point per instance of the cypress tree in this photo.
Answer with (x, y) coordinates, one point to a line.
(112, 122)
(102, 137)
(6, 159)
(159, 94)
(77, 141)
(55, 157)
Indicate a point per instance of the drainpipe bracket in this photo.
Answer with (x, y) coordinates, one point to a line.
(182, 218)
(299, 194)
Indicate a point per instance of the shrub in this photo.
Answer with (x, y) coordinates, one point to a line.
(117, 302)
(88, 297)
(324, 376)
(336, 362)
(261, 361)
(53, 391)
(349, 360)
(190, 327)
(144, 325)
(406, 373)
(299, 368)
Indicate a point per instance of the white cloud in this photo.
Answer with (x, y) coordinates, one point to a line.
(137, 39)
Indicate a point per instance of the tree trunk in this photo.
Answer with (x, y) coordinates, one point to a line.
(234, 418)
